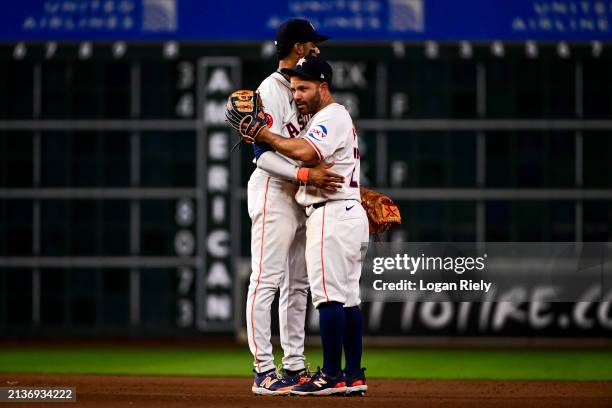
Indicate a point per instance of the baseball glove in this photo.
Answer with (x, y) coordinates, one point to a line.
(382, 212)
(244, 113)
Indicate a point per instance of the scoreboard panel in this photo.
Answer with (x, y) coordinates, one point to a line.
(122, 210)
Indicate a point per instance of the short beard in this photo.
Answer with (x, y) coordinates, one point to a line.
(313, 104)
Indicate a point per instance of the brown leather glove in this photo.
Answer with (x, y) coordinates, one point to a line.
(382, 212)
(244, 113)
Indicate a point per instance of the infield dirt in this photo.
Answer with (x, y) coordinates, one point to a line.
(153, 392)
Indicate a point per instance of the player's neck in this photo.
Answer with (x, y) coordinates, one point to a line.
(288, 62)
(325, 103)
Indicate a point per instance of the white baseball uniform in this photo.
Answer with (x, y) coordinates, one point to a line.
(337, 225)
(278, 238)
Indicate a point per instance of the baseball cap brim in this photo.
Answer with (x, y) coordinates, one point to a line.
(292, 72)
(320, 38)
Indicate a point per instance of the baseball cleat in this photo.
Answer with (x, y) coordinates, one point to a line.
(288, 381)
(356, 383)
(321, 384)
(267, 383)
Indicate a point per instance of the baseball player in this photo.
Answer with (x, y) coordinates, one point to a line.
(336, 226)
(278, 224)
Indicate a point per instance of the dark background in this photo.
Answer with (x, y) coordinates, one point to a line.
(96, 152)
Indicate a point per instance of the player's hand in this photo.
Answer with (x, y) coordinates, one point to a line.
(320, 177)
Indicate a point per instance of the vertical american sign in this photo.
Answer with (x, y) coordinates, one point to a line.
(218, 77)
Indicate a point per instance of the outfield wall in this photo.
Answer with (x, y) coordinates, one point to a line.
(124, 214)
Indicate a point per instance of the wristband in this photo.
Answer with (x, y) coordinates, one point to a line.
(302, 174)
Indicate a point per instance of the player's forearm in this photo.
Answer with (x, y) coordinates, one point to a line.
(297, 149)
(277, 166)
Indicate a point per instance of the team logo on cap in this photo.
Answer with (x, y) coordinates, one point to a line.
(301, 62)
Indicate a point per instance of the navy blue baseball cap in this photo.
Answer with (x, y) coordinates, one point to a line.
(311, 67)
(297, 30)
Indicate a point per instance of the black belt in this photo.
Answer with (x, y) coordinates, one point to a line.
(319, 205)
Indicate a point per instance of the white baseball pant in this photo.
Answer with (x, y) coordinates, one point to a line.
(336, 240)
(278, 236)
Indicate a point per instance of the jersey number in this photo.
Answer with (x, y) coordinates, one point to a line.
(356, 155)
(354, 183)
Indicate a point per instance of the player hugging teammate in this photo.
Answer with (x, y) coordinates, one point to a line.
(336, 226)
(309, 229)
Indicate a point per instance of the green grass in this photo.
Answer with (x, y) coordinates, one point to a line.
(381, 363)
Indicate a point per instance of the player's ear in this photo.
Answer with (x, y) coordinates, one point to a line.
(299, 49)
(324, 86)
